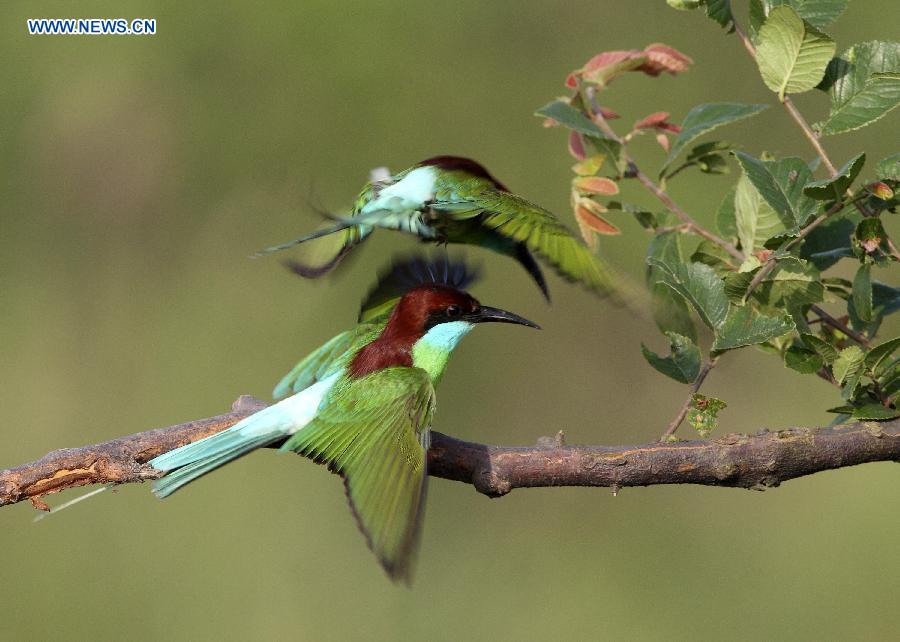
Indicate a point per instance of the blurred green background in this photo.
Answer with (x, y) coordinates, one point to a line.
(137, 175)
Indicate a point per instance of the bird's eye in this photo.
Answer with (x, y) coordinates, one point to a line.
(453, 311)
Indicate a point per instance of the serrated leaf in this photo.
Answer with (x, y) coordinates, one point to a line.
(755, 219)
(700, 287)
(682, 365)
(670, 310)
(745, 327)
(705, 118)
(792, 283)
(848, 364)
(803, 360)
(874, 412)
(568, 116)
(827, 351)
(703, 413)
(888, 168)
(818, 13)
(792, 54)
(834, 188)
(781, 184)
(879, 353)
(862, 293)
(864, 84)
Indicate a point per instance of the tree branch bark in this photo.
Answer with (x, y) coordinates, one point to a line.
(757, 462)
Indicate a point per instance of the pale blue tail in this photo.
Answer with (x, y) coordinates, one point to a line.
(269, 425)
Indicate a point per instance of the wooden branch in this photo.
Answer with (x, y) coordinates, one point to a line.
(757, 462)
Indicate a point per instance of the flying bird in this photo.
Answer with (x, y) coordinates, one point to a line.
(362, 404)
(449, 199)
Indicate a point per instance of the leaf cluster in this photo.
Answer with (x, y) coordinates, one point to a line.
(786, 229)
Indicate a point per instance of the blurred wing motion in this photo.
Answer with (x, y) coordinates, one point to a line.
(375, 434)
(519, 220)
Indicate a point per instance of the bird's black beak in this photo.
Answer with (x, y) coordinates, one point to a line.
(486, 314)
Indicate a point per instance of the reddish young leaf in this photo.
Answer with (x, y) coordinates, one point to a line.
(658, 120)
(606, 66)
(608, 114)
(662, 58)
(589, 219)
(576, 146)
(596, 185)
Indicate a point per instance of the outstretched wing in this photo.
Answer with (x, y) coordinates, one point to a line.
(517, 219)
(374, 432)
(325, 360)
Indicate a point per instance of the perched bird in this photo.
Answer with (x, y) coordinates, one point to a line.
(448, 199)
(362, 403)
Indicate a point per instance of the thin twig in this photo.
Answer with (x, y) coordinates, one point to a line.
(809, 133)
(656, 190)
(837, 325)
(682, 413)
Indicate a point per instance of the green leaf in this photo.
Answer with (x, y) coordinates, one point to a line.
(781, 184)
(830, 241)
(682, 365)
(818, 13)
(862, 293)
(705, 118)
(879, 353)
(700, 286)
(803, 360)
(888, 168)
(568, 116)
(849, 364)
(792, 54)
(824, 349)
(755, 219)
(833, 189)
(610, 148)
(736, 284)
(714, 256)
(720, 11)
(726, 223)
(864, 84)
(703, 413)
(792, 282)
(745, 327)
(874, 412)
(670, 310)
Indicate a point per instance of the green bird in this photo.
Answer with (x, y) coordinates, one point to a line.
(448, 199)
(362, 404)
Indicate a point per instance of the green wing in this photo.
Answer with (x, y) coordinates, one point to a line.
(321, 362)
(517, 219)
(374, 432)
